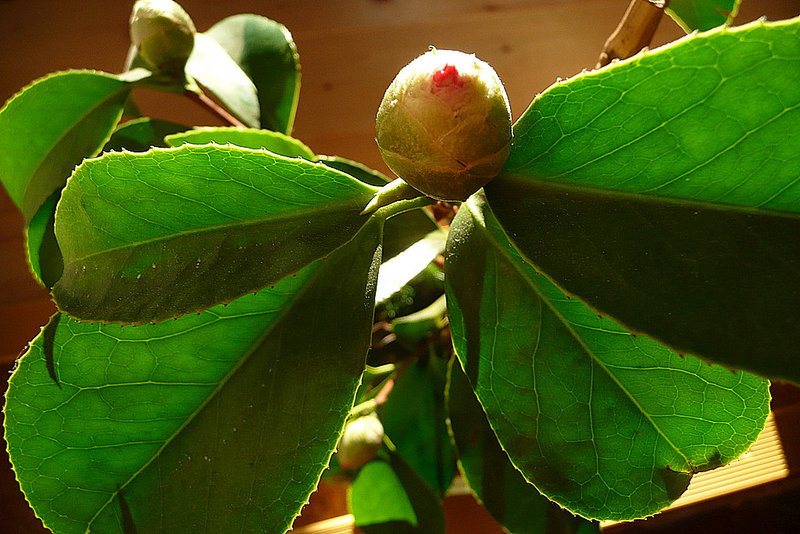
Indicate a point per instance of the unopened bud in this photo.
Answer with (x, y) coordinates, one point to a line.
(360, 442)
(163, 33)
(444, 124)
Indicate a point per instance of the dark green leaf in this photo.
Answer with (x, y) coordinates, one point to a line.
(430, 516)
(414, 419)
(665, 192)
(44, 256)
(702, 14)
(246, 138)
(265, 51)
(411, 330)
(216, 422)
(211, 65)
(50, 126)
(139, 135)
(504, 492)
(154, 235)
(607, 424)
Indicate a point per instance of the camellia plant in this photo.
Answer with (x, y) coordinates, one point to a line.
(588, 317)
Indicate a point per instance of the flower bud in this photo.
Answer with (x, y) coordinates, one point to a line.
(360, 442)
(163, 33)
(444, 124)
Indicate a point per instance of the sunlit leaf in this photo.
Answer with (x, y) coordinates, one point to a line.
(607, 424)
(665, 192)
(247, 138)
(211, 65)
(702, 14)
(150, 236)
(210, 423)
(498, 485)
(266, 53)
(50, 126)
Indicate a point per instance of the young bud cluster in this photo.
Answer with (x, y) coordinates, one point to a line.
(444, 124)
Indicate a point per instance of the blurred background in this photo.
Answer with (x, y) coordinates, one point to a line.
(349, 50)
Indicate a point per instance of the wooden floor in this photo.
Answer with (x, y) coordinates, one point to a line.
(349, 49)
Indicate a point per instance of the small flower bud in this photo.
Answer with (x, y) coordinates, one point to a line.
(163, 33)
(444, 124)
(360, 442)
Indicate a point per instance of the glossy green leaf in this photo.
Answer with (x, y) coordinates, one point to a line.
(139, 135)
(44, 256)
(216, 422)
(215, 70)
(50, 126)
(265, 51)
(702, 14)
(503, 491)
(399, 270)
(414, 419)
(154, 235)
(411, 330)
(607, 424)
(377, 497)
(665, 192)
(246, 138)
(427, 506)
(381, 495)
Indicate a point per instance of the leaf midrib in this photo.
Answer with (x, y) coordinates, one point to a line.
(324, 209)
(571, 330)
(223, 381)
(686, 203)
(125, 86)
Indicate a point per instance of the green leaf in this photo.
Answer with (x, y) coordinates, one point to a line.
(377, 497)
(702, 14)
(427, 506)
(246, 138)
(265, 51)
(150, 236)
(414, 419)
(402, 230)
(389, 497)
(210, 423)
(399, 270)
(607, 424)
(44, 256)
(211, 65)
(139, 135)
(50, 126)
(356, 169)
(494, 480)
(665, 192)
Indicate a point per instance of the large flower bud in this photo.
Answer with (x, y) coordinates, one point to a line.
(360, 442)
(163, 33)
(444, 124)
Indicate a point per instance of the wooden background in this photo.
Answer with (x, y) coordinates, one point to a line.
(349, 49)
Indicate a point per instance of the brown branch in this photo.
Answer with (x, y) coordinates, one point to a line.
(635, 30)
(214, 108)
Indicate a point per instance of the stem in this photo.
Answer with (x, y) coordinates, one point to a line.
(394, 191)
(213, 107)
(635, 30)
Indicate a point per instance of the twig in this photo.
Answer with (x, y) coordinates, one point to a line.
(214, 108)
(635, 30)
